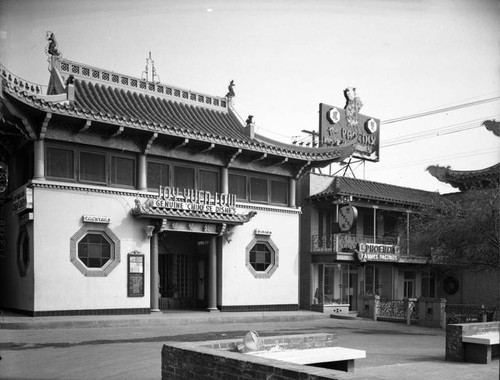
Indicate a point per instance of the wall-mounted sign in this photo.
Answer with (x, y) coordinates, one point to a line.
(259, 231)
(195, 200)
(96, 219)
(378, 252)
(347, 217)
(22, 200)
(335, 132)
(135, 275)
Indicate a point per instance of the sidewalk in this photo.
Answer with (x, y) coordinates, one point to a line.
(13, 321)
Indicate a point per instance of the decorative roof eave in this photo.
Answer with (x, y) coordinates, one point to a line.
(374, 192)
(467, 179)
(319, 155)
(142, 212)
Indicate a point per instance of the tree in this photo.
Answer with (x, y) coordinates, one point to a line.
(463, 231)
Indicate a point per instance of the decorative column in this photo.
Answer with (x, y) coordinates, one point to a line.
(154, 277)
(142, 173)
(292, 184)
(212, 275)
(39, 164)
(224, 180)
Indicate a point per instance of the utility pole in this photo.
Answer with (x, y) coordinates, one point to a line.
(313, 134)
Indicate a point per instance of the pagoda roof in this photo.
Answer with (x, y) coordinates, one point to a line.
(465, 180)
(362, 190)
(103, 96)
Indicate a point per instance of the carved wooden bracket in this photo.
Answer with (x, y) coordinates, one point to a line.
(44, 126)
(149, 142)
(118, 132)
(301, 169)
(87, 125)
(233, 157)
(264, 155)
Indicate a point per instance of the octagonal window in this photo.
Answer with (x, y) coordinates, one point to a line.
(262, 257)
(94, 250)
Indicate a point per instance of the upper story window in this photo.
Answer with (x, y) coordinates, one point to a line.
(181, 176)
(259, 189)
(89, 166)
(157, 175)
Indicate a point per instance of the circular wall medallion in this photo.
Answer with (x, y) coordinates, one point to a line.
(347, 217)
(333, 115)
(371, 126)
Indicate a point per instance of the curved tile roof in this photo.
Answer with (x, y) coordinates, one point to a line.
(376, 191)
(111, 104)
(467, 179)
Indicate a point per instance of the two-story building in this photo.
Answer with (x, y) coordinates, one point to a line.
(354, 242)
(127, 195)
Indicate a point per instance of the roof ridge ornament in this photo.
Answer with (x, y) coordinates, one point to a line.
(230, 93)
(145, 73)
(51, 48)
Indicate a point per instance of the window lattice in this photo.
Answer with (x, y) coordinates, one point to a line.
(64, 66)
(95, 74)
(133, 82)
(124, 81)
(142, 85)
(86, 71)
(75, 69)
(114, 78)
(105, 76)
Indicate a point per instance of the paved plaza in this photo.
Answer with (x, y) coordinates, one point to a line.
(129, 347)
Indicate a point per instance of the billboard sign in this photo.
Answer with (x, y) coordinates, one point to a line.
(334, 130)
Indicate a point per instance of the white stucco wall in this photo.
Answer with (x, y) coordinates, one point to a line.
(239, 285)
(59, 285)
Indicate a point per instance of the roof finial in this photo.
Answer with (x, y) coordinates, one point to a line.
(51, 48)
(145, 73)
(231, 93)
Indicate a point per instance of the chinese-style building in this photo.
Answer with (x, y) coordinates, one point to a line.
(126, 195)
(353, 243)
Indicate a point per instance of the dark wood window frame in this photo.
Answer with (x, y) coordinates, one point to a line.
(249, 197)
(109, 167)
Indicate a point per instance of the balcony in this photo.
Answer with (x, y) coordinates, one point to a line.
(347, 242)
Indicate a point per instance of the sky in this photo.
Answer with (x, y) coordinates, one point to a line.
(406, 58)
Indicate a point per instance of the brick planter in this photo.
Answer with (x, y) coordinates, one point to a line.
(220, 360)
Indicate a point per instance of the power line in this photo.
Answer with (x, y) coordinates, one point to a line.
(435, 132)
(440, 110)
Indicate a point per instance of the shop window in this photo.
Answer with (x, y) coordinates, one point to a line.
(157, 175)
(238, 186)
(95, 250)
(258, 190)
(23, 251)
(209, 181)
(60, 163)
(184, 177)
(262, 257)
(279, 192)
(122, 171)
(92, 167)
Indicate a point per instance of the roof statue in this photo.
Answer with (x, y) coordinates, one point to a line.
(249, 119)
(493, 126)
(231, 93)
(51, 48)
(352, 107)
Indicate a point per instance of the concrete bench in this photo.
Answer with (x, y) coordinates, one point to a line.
(478, 347)
(339, 358)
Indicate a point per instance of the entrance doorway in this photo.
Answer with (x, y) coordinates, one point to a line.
(183, 270)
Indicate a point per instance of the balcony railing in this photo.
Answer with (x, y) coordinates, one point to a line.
(347, 242)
